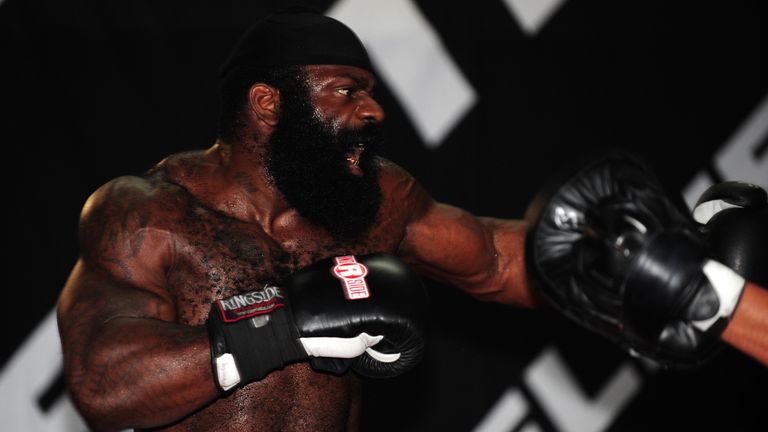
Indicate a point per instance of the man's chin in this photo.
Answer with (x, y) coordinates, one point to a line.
(348, 207)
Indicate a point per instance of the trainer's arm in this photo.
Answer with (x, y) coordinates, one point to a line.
(127, 363)
(748, 329)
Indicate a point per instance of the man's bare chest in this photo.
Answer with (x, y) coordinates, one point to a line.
(216, 256)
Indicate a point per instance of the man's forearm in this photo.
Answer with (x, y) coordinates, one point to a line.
(139, 372)
(483, 256)
(514, 285)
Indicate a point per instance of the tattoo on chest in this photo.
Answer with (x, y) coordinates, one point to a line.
(204, 267)
(218, 256)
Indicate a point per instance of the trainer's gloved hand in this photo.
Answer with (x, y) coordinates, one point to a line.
(617, 256)
(360, 312)
(734, 218)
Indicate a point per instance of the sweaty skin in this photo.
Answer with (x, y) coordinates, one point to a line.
(157, 250)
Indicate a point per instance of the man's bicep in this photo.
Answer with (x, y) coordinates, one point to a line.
(123, 255)
(450, 245)
(94, 296)
(122, 267)
(483, 256)
(91, 311)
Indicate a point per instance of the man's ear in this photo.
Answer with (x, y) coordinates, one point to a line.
(264, 103)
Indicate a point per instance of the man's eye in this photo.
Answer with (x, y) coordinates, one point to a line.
(345, 91)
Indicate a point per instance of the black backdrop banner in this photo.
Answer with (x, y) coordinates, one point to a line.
(485, 101)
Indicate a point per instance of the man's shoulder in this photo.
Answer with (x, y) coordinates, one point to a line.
(132, 194)
(393, 175)
(401, 191)
(162, 181)
(182, 160)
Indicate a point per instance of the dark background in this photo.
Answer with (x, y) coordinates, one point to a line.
(91, 90)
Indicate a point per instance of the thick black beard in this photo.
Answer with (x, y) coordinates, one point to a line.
(306, 159)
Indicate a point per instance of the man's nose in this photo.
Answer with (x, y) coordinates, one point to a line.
(370, 111)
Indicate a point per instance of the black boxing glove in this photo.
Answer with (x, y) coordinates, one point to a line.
(617, 256)
(331, 314)
(378, 294)
(734, 218)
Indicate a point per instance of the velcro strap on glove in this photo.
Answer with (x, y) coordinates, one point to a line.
(728, 286)
(257, 331)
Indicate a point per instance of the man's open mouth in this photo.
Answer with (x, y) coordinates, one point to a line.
(353, 158)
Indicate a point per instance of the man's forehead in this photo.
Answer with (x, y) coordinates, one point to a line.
(328, 72)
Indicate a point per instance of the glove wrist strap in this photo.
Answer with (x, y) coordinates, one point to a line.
(728, 285)
(250, 340)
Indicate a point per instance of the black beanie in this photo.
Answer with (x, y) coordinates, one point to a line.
(292, 38)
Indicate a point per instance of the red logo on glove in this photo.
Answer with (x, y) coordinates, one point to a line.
(352, 276)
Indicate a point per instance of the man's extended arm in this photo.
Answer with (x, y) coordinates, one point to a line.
(482, 256)
(127, 363)
(486, 258)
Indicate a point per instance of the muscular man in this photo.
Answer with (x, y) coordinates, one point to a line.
(293, 179)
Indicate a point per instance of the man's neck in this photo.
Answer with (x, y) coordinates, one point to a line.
(240, 186)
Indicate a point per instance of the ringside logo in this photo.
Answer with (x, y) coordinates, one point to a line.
(250, 304)
(352, 275)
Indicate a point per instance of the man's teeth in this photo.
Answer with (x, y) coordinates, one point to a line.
(354, 157)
